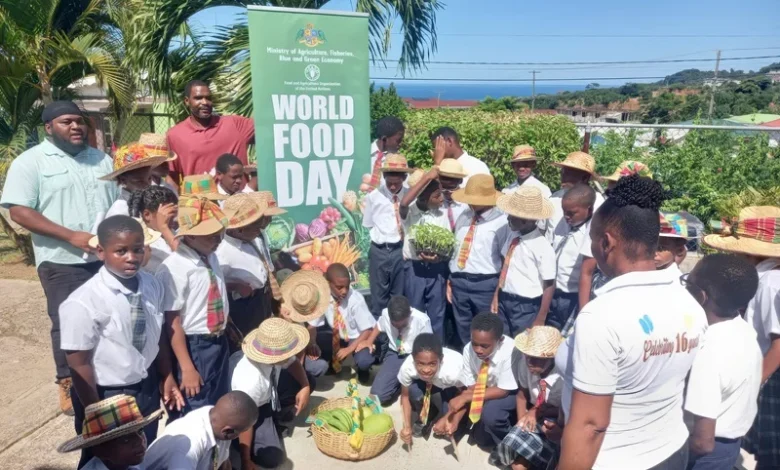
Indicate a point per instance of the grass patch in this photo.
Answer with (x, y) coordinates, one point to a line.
(8, 252)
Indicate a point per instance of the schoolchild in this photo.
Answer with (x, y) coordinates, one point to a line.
(132, 172)
(451, 175)
(671, 243)
(273, 294)
(157, 206)
(229, 175)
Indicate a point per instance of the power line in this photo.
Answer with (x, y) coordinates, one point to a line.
(616, 62)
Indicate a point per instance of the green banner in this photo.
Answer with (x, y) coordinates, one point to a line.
(311, 108)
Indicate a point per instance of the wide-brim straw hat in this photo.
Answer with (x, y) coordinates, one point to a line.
(479, 191)
(107, 420)
(150, 236)
(306, 295)
(628, 168)
(527, 202)
(156, 145)
(756, 232)
(395, 163)
(579, 161)
(267, 197)
(673, 226)
(132, 157)
(274, 341)
(201, 185)
(242, 210)
(523, 153)
(451, 168)
(539, 341)
(198, 216)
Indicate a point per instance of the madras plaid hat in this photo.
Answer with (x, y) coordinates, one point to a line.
(755, 232)
(673, 225)
(201, 185)
(198, 216)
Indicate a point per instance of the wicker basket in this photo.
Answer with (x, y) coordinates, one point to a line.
(336, 444)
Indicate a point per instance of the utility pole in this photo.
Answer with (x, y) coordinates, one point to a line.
(533, 89)
(714, 85)
(438, 99)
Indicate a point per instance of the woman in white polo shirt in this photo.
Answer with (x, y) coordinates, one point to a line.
(632, 347)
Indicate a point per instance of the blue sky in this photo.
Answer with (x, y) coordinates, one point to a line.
(514, 31)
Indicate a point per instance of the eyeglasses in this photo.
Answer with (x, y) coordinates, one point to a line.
(690, 286)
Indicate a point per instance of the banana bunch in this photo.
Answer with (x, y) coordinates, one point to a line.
(339, 420)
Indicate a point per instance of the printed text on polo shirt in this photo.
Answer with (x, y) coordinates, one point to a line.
(679, 344)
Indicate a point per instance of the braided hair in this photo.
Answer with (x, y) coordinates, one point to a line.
(150, 199)
(631, 210)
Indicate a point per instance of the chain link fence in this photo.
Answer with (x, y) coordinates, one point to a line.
(103, 130)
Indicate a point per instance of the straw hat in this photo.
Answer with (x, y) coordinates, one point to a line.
(274, 341)
(415, 177)
(150, 236)
(479, 191)
(395, 163)
(131, 157)
(242, 209)
(539, 341)
(156, 145)
(527, 203)
(673, 226)
(628, 168)
(756, 232)
(107, 420)
(267, 197)
(200, 217)
(451, 168)
(579, 161)
(201, 186)
(306, 294)
(523, 153)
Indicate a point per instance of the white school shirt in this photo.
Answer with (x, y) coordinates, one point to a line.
(457, 209)
(418, 323)
(376, 153)
(240, 262)
(530, 382)
(499, 371)
(726, 377)
(254, 378)
(636, 341)
(221, 190)
(187, 444)
(569, 246)
(530, 181)
(355, 313)
(379, 215)
(186, 282)
(417, 216)
(557, 217)
(159, 252)
(490, 235)
(97, 464)
(472, 166)
(264, 244)
(448, 375)
(96, 316)
(532, 263)
(120, 207)
(762, 311)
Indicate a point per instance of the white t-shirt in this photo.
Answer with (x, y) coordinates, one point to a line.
(355, 312)
(418, 323)
(532, 263)
(379, 215)
(472, 166)
(97, 316)
(499, 371)
(187, 443)
(185, 279)
(726, 377)
(532, 382)
(448, 375)
(763, 312)
(570, 246)
(489, 237)
(416, 216)
(635, 341)
(254, 378)
(240, 262)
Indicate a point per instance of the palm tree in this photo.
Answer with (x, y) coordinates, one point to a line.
(172, 56)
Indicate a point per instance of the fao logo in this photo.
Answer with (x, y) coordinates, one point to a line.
(312, 73)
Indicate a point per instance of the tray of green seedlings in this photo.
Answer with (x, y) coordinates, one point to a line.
(433, 240)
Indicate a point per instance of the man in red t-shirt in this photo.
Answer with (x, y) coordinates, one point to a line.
(201, 138)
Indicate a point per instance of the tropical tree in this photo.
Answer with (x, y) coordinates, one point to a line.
(171, 58)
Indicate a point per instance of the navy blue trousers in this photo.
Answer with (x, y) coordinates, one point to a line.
(471, 294)
(247, 313)
(386, 274)
(210, 355)
(723, 457)
(386, 386)
(364, 359)
(496, 421)
(562, 307)
(426, 289)
(517, 313)
(416, 394)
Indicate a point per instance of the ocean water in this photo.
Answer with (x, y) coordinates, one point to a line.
(473, 91)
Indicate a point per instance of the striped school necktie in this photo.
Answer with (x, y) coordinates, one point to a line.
(465, 249)
(376, 171)
(426, 404)
(398, 224)
(137, 320)
(275, 403)
(542, 393)
(478, 397)
(339, 332)
(215, 305)
(276, 291)
(507, 260)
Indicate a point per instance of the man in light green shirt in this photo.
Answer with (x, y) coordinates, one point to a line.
(53, 191)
